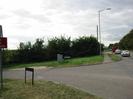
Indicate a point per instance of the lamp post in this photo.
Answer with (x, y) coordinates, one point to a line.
(99, 24)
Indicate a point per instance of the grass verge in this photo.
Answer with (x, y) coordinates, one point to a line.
(65, 63)
(16, 89)
(114, 57)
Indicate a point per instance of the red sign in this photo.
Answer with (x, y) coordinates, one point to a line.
(3, 42)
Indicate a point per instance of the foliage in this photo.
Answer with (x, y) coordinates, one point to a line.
(85, 46)
(39, 51)
(58, 45)
(28, 52)
(110, 46)
(116, 45)
(127, 41)
(9, 56)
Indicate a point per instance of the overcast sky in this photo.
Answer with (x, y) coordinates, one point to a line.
(26, 20)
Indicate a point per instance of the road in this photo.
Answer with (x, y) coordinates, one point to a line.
(109, 81)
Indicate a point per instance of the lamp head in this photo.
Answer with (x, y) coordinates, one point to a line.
(108, 9)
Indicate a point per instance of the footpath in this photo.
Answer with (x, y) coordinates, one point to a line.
(107, 59)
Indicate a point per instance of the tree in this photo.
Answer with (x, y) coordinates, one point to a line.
(28, 52)
(38, 51)
(127, 41)
(24, 52)
(85, 46)
(58, 45)
(9, 56)
(110, 46)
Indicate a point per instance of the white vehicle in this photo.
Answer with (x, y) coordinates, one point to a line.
(125, 53)
(117, 51)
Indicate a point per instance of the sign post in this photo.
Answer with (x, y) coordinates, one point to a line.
(30, 70)
(1, 69)
(3, 44)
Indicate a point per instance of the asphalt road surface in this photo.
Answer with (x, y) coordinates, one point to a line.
(109, 81)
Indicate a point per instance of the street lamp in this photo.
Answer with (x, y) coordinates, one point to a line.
(99, 20)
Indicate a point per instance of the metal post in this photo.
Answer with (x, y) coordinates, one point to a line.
(99, 19)
(33, 77)
(32, 71)
(97, 33)
(1, 69)
(25, 76)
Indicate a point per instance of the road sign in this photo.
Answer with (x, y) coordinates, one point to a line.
(3, 42)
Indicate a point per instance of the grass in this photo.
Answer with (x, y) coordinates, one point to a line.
(114, 57)
(16, 89)
(66, 63)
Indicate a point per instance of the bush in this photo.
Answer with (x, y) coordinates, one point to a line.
(85, 46)
(38, 51)
(58, 46)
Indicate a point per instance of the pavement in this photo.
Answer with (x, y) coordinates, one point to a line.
(111, 80)
(131, 52)
(107, 59)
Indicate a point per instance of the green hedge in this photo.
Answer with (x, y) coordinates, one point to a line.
(40, 51)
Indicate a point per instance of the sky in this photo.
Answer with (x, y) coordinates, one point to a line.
(27, 20)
